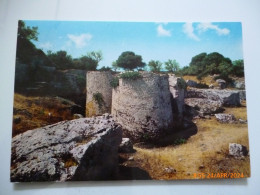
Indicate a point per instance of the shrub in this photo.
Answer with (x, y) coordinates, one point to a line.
(115, 82)
(181, 83)
(130, 75)
(98, 97)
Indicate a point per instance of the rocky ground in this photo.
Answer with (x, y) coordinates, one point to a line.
(80, 149)
(87, 148)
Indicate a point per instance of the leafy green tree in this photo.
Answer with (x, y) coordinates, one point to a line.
(238, 68)
(115, 66)
(85, 63)
(28, 33)
(129, 60)
(105, 68)
(155, 66)
(95, 55)
(213, 63)
(25, 48)
(172, 66)
(61, 59)
(197, 64)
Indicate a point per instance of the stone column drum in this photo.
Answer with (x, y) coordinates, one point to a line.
(143, 106)
(98, 85)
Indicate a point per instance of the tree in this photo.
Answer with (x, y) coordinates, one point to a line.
(238, 68)
(25, 48)
(61, 59)
(129, 60)
(213, 63)
(155, 66)
(172, 66)
(25, 32)
(85, 63)
(105, 68)
(114, 66)
(95, 55)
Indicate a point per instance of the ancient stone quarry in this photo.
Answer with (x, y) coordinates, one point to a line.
(81, 149)
(99, 93)
(143, 106)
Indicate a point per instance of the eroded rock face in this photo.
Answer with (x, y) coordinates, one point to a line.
(204, 106)
(226, 97)
(242, 94)
(237, 150)
(177, 88)
(126, 146)
(143, 106)
(221, 83)
(81, 149)
(191, 83)
(239, 84)
(225, 118)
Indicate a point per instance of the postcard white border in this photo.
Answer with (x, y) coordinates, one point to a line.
(246, 12)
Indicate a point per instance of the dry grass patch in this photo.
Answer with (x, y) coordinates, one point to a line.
(36, 112)
(208, 80)
(205, 152)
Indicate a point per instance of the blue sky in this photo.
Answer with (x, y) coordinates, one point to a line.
(153, 41)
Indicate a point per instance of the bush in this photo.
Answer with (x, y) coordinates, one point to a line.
(130, 75)
(98, 97)
(115, 82)
(181, 83)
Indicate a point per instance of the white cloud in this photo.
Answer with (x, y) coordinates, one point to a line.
(80, 40)
(202, 27)
(46, 45)
(189, 31)
(163, 32)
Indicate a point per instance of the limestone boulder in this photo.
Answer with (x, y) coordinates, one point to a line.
(239, 84)
(191, 83)
(204, 106)
(237, 150)
(226, 97)
(126, 146)
(221, 83)
(242, 94)
(80, 149)
(225, 118)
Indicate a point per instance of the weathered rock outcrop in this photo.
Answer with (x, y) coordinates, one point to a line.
(178, 89)
(191, 83)
(221, 83)
(143, 106)
(239, 84)
(242, 94)
(226, 97)
(99, 93)
(81, 149)
(237, 150)
(204, 106)
(225, 118)
(126, 146)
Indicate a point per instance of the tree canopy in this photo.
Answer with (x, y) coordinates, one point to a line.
(172, 65)
(95, 55)
(129, 60)
(155, 66)
(25, 32)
